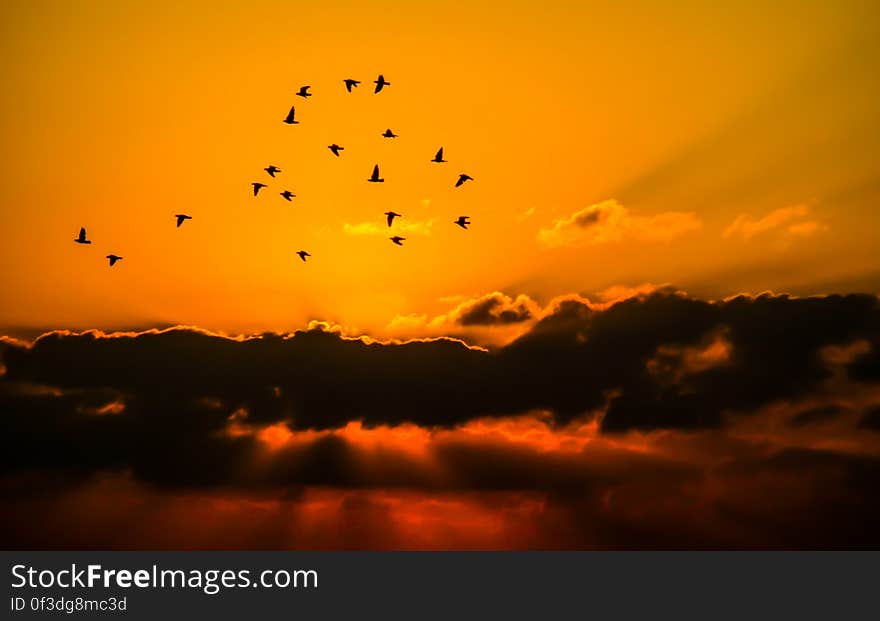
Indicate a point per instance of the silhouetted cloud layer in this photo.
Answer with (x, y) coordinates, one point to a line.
(590, 411)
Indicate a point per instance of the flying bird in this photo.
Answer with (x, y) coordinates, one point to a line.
(463, 221)
(113, 259)
(287, 194)
(389, 134)
(391, 215)
(181, 217)
(380, 83)
(304, 91)
(271, 169)
(349, 83)
(462, 178)
(397, 239)
(374, 178)
(303, 254)
(82, 237)
(336, 149)
(289, 118)
(257, 187)
(439, 157)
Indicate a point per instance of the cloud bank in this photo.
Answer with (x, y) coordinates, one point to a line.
(655, 421)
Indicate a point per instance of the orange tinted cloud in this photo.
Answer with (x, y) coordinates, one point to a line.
(537, 487)
(418, 227)
(611, 222)
(791, 218)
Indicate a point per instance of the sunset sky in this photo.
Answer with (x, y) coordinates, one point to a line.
(117, 115)
(643, 172)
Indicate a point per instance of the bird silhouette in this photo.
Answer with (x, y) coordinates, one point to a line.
(336, 149)
(303, 254)
(349, 83)
(257, 187)
(439, 157)
(397, 239)
(82, 237)
(380, 83)
(287, 194)
(271, 169)
(462, 178)
(374, 178)
(113, 259)
(181, 217)
(463, 221)
(389, 134)
(289, 118)
(304, 91)
(391, 215)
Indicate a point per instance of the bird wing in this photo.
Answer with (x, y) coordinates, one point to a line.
(439, 155)
(291, 113)
(82, 233)
(376, 171)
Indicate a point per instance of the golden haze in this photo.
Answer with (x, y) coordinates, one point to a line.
(116, 116)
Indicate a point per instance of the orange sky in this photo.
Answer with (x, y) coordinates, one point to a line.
(721, 149)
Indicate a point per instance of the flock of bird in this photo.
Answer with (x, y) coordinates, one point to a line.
(272, 170)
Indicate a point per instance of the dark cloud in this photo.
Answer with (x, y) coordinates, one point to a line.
(792, 498)
(184, 409)
(819, 414)
(494, 309)
(871, 420)
(588, 218)
(571, 362)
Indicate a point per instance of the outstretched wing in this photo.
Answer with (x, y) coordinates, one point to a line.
(82, 233)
